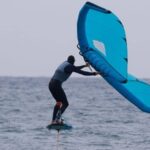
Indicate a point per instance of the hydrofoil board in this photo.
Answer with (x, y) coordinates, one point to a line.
(59, 127)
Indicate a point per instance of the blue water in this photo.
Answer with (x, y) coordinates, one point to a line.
(102, 119)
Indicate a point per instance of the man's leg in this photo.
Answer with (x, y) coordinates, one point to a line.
(60, 96)
(55, 89)
(56, 110)
(65, 103)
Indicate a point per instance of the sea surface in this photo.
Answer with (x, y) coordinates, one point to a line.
(101, 118)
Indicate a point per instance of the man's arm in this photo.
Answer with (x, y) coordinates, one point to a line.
(71, 68)
(77, 70)
(84, 72)
(80, 67)
(83, 66)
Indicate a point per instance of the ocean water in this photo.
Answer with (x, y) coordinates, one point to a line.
(101, 118)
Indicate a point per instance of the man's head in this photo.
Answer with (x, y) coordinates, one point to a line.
(71, 59)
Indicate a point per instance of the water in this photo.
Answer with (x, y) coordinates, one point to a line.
(101, 118)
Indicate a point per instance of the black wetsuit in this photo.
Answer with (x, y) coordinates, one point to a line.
(62, 73)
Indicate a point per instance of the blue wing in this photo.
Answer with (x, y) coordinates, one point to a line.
(102, 42)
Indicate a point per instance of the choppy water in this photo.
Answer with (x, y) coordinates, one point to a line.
(101, 118)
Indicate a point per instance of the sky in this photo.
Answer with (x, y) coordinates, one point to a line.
(37, 35)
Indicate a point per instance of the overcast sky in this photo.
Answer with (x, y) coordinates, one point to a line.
(37, 35)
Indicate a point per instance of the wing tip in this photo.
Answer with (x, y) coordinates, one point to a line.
(98, 7)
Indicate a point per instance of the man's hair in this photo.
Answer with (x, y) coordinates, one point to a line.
(71, 59)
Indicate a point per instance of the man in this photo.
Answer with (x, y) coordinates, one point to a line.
(61, 74)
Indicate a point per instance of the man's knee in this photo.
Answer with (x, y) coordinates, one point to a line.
(59, 104)
(66, 104)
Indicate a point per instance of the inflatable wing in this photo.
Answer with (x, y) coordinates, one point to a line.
(103, 44)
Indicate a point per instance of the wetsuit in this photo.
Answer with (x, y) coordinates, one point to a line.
(61, 74)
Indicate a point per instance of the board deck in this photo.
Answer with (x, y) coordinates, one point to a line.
(59, 127)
